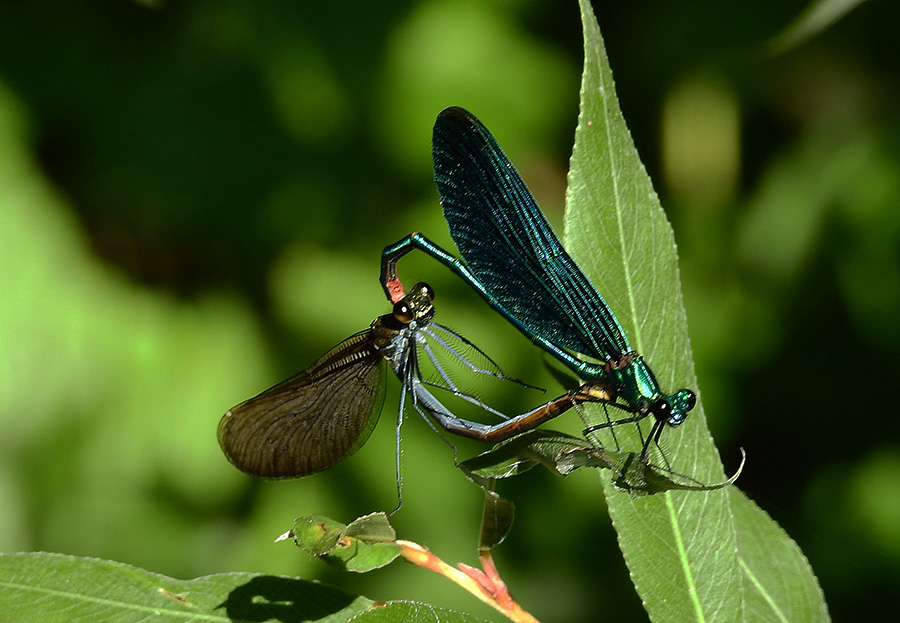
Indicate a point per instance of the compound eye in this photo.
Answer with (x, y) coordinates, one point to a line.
(690, 400)
(403, 312)
(425, 290)
(661, 409)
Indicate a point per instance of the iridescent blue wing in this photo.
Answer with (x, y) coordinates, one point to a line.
(509, 246)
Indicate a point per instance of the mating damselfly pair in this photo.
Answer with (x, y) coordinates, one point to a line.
(512, 258)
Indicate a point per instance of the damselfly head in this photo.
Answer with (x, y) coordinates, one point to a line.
(415, 306)
(673, 410)
(424, 291)
(683, 401)
(403, 313)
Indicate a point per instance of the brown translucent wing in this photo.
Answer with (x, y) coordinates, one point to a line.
(312, 420)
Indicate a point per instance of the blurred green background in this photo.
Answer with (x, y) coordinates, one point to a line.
(193, 199)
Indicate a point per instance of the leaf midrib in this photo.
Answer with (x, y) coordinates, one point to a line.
(638, 344)
(110, 602)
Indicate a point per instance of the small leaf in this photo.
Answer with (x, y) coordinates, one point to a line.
(562, 454)
(51, 588)
(365, 544)
(316, 534)
(633, 476)
(496, 521)
(518, 455)
(374, 528)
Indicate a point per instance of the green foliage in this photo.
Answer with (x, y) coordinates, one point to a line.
(192, 201)
(402, 612)
(366, 543)
(563, 454)
(611, 201)
(52, 587)
(816, 17)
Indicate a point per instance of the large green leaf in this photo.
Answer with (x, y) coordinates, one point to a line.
(45, 588)
(50, 588)
(693, 556)
(407, 611)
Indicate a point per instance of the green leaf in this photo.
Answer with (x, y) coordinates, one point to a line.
(496, 520)
(817, 17)
(778, 582)
(693, 556)
(374, 528)
(365, 544)
(406, 611)
(562, 454)
(316, 534)
(50, 588)
(519, 454)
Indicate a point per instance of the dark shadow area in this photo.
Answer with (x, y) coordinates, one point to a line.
(273, 598)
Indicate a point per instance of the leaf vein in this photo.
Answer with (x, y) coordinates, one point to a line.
(75, 598)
